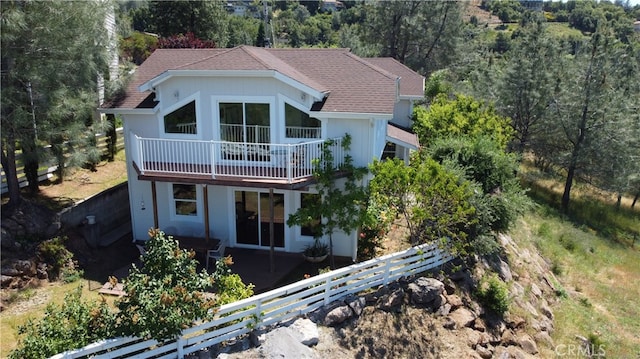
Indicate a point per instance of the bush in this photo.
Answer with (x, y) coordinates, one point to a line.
(493, 294)
(229, 286)
(56, 256)
(72, 325)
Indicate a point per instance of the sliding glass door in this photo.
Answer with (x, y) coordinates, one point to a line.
(253, 218)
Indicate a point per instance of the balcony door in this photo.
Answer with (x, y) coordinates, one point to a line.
(248, 125)
(252, 219)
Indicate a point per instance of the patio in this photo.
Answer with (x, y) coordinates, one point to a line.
(251, 264)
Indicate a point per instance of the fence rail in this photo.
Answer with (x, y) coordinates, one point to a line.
(238, 318)
(47, 169)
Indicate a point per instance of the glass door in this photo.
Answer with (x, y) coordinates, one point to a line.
(253, 218)
(247, 124)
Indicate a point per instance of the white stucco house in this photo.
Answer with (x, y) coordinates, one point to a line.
(210, 132)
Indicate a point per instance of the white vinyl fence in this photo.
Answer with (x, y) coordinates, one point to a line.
(239, 318)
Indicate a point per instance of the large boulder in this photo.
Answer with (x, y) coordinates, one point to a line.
(427, 292)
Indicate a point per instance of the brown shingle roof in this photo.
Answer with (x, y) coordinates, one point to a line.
(352, 84)
(411, 82)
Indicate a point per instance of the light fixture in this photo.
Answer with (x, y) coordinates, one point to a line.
(142, 207)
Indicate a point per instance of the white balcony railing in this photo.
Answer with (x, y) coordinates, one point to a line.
(216, 159)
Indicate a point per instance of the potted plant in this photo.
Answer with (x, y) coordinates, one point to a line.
(316, 252)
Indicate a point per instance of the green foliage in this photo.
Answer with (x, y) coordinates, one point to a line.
(376, 224)
(228, 286)
(72, 325)
(341, 207)
(433, 201)
(494, 294)
(57, 257)
(137, 47)
(167, 294)
(499, 200)
(461, 116)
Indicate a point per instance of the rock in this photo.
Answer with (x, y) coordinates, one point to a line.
(338, 315)
(509, 353)
(463, 317)
(454, 300)
(41, 271)
(5, 281)
(392, 301)
(308, 331)
(25, 267)
(283, 343)
(449, 286)
(449, 324)
(536, 290)
(517, 290)
(425, 290)
(357, 304)
(504, 271)
(444, 309)
(528, 344)
(544, 338)
(508, 338)
(485, 353)
(478, 325)
(546, 311)
(471, 337)
(515, 322)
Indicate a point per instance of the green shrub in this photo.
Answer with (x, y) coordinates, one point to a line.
(229, 286)
(55, 255)
(73, 324)
(493, 294)
(567, 242)
(544, 230)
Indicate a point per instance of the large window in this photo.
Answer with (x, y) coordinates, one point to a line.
(308, 200)
(185, 199)
(245, 122)
(299, 124)
(182, 120)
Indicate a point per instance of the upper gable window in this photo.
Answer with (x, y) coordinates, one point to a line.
(299, 124)
(182, 120)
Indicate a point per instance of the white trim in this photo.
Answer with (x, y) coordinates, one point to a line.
(351, 115)
(130, 111)
(282, 100)
(151, 84)
(195, 97)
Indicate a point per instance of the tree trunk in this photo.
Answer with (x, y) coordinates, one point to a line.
(112, 138)
(8, 158)
(635, 199)
(30, 163)
(619, 201)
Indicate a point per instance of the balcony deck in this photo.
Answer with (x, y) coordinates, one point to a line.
(285, 166)
(172, 172)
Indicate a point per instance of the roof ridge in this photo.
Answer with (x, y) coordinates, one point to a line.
(222, 51)
(249, 50)
(376, 68)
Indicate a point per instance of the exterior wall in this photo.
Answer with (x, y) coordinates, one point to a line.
(402, 113)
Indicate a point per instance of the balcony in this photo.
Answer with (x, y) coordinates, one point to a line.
(229, 160)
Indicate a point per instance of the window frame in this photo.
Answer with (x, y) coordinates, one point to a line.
(173, 203)
(170, 109)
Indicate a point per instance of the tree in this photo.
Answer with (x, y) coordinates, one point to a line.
(595, 108)
(73, 324)
(205, 19)
(421, 34)
(165, 295)
(184, 41)
(340, 207)
(524, 91)
(460, 116)
(52, 52)
(434, 202)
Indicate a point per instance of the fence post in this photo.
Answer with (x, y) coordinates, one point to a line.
(213, 160)
(387, 270)
(180, 349)
(327, 290)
